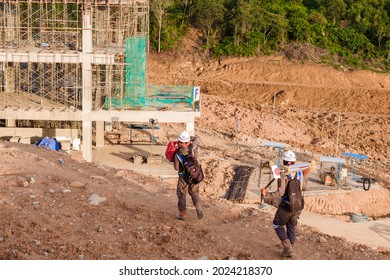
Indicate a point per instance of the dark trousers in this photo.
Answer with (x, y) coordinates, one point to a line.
(286, 219)
(181, 191)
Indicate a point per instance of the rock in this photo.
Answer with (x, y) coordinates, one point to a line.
(99, 178)
(322, 239)
(359, 217)
(166, 228)
(32, 180)
(119, 173)
(77, 184)
(166, 238)
(95, 199)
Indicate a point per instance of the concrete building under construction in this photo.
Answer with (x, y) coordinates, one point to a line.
(85, 61)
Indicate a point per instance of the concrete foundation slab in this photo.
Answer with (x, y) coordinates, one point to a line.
(25, 140)
(14, 139)
(119, 156)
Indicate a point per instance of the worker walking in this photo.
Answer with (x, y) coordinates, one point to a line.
(290, 206)
(186, 145)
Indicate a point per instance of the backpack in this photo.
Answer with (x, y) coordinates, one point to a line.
(193, 173)
(171, 151)
(292, 200)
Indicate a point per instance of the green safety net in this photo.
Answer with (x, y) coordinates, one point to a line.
(161, 95)
(135, 71)
(135, 75)
(138, 94)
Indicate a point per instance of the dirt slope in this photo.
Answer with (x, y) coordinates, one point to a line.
(313, 107)
(81, 210)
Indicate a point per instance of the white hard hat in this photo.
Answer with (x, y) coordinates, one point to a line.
(289, 156)
(184, 137)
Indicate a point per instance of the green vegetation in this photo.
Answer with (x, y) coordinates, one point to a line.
(355, 32)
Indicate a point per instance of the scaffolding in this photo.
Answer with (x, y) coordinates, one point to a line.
(137, 94)
(73, 60)
(57, 24)
(41, 44)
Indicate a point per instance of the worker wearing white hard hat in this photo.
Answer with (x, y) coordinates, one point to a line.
(282, 217)
(186, 145)
(184, 137)
(289, 157)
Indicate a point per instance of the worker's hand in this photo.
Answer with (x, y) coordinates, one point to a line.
(263, 192)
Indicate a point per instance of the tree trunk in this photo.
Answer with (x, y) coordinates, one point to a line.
(159, 34)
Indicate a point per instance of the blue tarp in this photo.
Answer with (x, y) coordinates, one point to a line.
(358, 156)
(50, 143)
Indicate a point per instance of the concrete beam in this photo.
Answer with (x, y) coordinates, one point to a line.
(143, 116)
(47, 57)
(37, 114)
(38, 132)
(100, 115)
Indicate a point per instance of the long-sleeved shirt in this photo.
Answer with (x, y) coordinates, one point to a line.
(192, 148)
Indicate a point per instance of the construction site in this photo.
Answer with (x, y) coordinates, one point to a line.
(83, 62)
(85, 66)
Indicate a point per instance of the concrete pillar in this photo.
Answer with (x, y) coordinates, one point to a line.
(87, 29)
(99, 134)
(10, 123)
(86, 59)
(9, 89)
(190, 127)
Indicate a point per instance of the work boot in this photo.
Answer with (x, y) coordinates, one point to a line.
(199, 213)
(287, 251)
(182, 215)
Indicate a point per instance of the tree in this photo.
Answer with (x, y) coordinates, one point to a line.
(299, 27)
(159, 9)
(208, 16)
(334, 9)
(185, 5)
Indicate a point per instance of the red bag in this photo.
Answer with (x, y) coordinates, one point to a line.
(171, 151)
